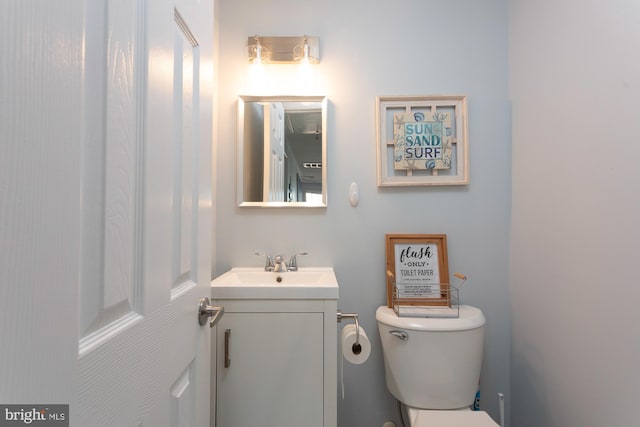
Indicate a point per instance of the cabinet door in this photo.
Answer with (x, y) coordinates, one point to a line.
(275, 372)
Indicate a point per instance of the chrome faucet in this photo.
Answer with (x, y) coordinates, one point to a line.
(279, 264)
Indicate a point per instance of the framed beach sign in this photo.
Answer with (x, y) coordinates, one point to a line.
(422, 140)
(417, 269)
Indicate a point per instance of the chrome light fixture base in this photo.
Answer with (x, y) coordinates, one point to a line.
(284, 50)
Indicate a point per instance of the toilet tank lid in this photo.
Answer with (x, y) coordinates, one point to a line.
(470, 318)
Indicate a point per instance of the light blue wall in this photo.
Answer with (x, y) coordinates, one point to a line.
(575, 240)
(407, 47)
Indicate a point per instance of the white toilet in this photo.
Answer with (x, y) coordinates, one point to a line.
(432, 365)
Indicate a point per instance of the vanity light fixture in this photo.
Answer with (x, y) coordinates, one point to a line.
(284, 50)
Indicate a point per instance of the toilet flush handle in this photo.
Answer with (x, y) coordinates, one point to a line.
(400, 334)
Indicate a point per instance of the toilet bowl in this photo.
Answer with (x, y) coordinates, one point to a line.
(432, 366)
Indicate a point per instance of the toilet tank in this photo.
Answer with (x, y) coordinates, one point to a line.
(438, 365)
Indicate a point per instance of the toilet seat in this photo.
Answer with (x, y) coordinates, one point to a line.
(428, 418)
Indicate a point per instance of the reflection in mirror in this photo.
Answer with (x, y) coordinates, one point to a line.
(282, 151)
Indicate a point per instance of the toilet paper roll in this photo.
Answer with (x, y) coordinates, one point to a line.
(349, 339)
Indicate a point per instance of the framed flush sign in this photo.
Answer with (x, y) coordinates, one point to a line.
(422, 140)
(417, 269)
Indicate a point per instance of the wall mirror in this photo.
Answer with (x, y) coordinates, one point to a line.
(282, 151)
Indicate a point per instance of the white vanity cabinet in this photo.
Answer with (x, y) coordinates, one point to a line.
(275, 360)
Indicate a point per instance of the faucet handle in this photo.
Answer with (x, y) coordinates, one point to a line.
(268, 266)
(293, 262)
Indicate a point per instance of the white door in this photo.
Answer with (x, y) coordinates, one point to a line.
(274, 188)
(105, 215)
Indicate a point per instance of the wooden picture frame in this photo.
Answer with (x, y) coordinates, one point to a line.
(422, 140)
(418, 267)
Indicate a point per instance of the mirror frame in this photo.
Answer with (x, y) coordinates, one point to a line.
(242, 100)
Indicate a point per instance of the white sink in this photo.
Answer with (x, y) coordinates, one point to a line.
(255, 283)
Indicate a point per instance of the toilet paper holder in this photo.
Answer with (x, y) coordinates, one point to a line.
(356, 348)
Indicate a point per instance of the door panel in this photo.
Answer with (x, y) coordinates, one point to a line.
(185, 201)
(274, 153)
(183, 399)
(112, 226)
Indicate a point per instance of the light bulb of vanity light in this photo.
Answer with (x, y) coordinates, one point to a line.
(305, 51)
(258, 59)
(302, 53)
(257, 52)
